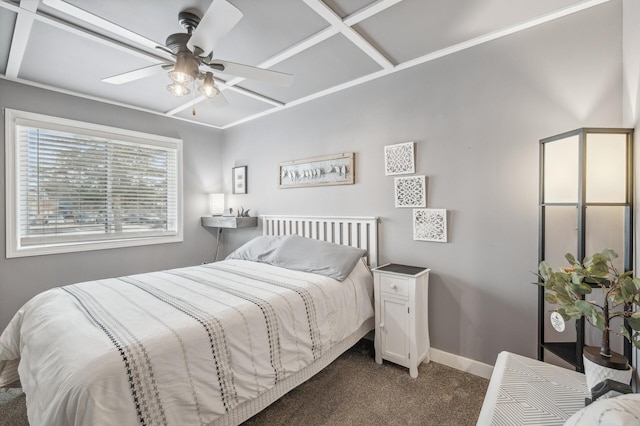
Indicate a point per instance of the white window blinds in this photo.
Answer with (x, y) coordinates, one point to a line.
(81, 186)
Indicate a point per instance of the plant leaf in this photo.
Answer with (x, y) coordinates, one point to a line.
(545, 270)
(609, 254)
(577, 278)
(626, 275)
(585, 307)
(585, 288)
(598, 321)
(625, 332)
(571, 259)
(550, 298)
(634, 322)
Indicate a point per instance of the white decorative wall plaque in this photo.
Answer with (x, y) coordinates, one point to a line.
(399, 159)
(411, 191)
(430, 225)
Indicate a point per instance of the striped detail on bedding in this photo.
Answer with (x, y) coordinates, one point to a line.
(270, 317)
(181, 342)
(217, 338)
(142, 384)
(305, 295)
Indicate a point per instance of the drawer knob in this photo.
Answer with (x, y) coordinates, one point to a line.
(381, 325)
(394, 286)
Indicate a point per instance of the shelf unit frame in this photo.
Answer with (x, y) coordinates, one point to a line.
(571, 352)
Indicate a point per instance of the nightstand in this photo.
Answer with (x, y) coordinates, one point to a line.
(402, 329)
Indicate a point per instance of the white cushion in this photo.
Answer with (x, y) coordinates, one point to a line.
(618, 411)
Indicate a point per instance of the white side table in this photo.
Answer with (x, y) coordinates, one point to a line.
(402, 329)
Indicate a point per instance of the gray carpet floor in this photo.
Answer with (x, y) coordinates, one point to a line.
(354, 390)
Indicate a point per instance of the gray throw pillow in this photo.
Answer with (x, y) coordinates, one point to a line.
(315, 256)
(259, 249)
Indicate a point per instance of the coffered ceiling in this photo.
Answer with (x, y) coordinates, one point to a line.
(328, 46)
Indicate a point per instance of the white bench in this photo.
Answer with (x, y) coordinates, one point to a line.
(524, 391)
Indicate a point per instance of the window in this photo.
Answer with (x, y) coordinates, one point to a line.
(74, 186)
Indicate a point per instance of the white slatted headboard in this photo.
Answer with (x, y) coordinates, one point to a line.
(361, 232)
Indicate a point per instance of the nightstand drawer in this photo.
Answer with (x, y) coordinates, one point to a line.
(393, 285)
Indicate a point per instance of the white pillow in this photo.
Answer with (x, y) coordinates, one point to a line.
(623, 410)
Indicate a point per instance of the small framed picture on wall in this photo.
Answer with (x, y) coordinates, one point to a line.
(240, 180)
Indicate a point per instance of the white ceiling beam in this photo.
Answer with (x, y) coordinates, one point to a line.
(103, 100)
(321, 36)
(189, 104)
(299, 47)
(578, 7)
(291, 51)
(99, 22)
(87, 34)
(560, 13)
(369, 11)
(251, 94)
(332, 18)
(21, 32)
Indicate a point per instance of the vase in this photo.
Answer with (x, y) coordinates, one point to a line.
(598, 368)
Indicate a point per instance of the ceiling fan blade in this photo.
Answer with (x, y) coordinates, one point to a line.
(135, 74)
(216, 23)
(253, 73)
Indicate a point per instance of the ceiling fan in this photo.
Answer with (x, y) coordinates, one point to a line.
(193, 53)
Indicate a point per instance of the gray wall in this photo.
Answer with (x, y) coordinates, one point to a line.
(477, 117)
(22, 278)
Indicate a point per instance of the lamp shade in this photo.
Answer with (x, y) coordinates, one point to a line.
(178, 90)
(208, 87)
(186, 69)
(216, 204)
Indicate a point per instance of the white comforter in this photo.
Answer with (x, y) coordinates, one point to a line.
(179, 347)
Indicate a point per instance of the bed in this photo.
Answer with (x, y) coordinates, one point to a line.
(208, 344)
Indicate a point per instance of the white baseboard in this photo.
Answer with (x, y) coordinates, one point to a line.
(461, 363)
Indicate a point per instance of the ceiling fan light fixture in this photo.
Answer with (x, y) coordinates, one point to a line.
(178, 90)
(186, 69)
(208, 86)
(180, 77)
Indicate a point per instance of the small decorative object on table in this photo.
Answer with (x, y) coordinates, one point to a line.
(402, 330)
(243, 213)
(567, 289)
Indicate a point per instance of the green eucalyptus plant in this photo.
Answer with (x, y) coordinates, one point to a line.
(567, 288)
